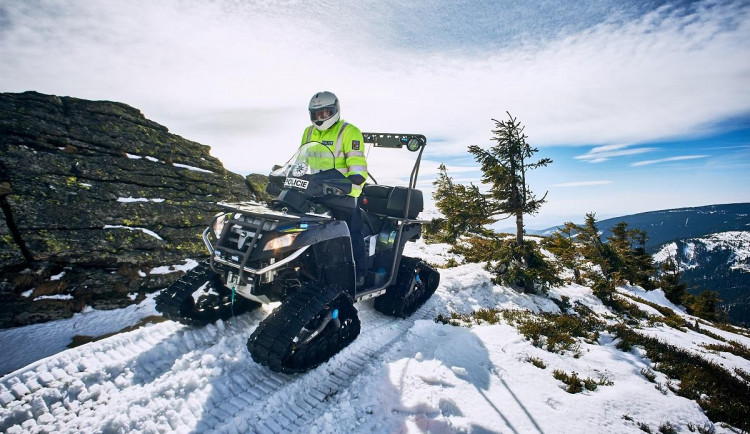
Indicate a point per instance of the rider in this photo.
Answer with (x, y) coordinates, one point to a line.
(347, 144)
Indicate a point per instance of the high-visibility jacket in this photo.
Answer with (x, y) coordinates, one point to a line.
(348, 146)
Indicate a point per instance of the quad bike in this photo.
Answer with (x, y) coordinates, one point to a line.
(293, 253)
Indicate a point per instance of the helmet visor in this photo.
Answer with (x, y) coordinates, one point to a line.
(322, 114)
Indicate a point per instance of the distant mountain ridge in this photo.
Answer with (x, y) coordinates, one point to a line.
(670, 225)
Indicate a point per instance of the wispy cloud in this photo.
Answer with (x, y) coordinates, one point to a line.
(666, 160)
(588, 72)
(732, 147)
(603, 153)
(581, 184)
(610, 80)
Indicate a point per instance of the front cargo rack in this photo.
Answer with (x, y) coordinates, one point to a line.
(242, 233)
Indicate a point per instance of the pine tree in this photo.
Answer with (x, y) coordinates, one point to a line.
(645, 270)
(669, 281)
(594, 249)
(632, 262)
(706, 305)
(562, 244)
(464, 208)
(504, 168)
(599, 254)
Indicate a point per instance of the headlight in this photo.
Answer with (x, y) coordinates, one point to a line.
(219, 223)
(280, 242)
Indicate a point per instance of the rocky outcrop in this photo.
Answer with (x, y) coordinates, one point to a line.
(94, 197)
(258, 184)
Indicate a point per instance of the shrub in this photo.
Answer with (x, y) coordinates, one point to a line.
(490, 316)
(522, 268)
(663, 388)
(702, 429)
(649, 374)
(667, 428)
(555, 333)
(563, 304)
(454, 319)
(623, 307)
(706, 305)
(733, 347)
(590, 384)
(577, 384)
(539, 363)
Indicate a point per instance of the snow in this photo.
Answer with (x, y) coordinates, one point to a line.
(156, 160)
(55, 297)
(138, 199)
(166, 269)
(656, 296)
(131, 228)
(668, 250)
(401, 375)
(194, 169)
(453, 379)
(37, 341)
(738, 242)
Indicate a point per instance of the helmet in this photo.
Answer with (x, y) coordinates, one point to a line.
(324, 110)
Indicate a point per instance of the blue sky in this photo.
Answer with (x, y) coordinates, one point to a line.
(642, 105)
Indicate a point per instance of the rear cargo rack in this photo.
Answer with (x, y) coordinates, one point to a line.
(413, 142)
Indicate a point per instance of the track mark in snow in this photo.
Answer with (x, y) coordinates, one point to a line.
(380, 333)
(169, 377)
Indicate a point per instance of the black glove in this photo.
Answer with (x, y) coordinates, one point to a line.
(357, 179)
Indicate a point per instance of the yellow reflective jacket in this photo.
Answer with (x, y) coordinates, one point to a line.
(348, 147)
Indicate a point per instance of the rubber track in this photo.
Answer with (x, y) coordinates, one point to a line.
(394, 301)
(272, 343)
(177, 304)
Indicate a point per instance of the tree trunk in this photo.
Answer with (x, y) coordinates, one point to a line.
(519, 227)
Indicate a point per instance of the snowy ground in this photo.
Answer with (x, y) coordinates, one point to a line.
(412, 375)
(37, 341)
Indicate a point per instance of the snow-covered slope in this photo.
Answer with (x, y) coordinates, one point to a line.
(735, 245)
(413, 375)
(719, 262)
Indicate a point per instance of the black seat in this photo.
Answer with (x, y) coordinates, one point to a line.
(390, 201)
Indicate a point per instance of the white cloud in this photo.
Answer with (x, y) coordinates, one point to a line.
(237, 75)
(665, 160)
(581, 184)
(604, 153)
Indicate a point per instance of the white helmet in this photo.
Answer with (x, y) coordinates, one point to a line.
(324, 110)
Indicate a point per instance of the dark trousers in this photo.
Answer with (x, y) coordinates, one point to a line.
(345, 208)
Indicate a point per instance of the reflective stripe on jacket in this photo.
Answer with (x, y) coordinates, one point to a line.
(346, 143)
